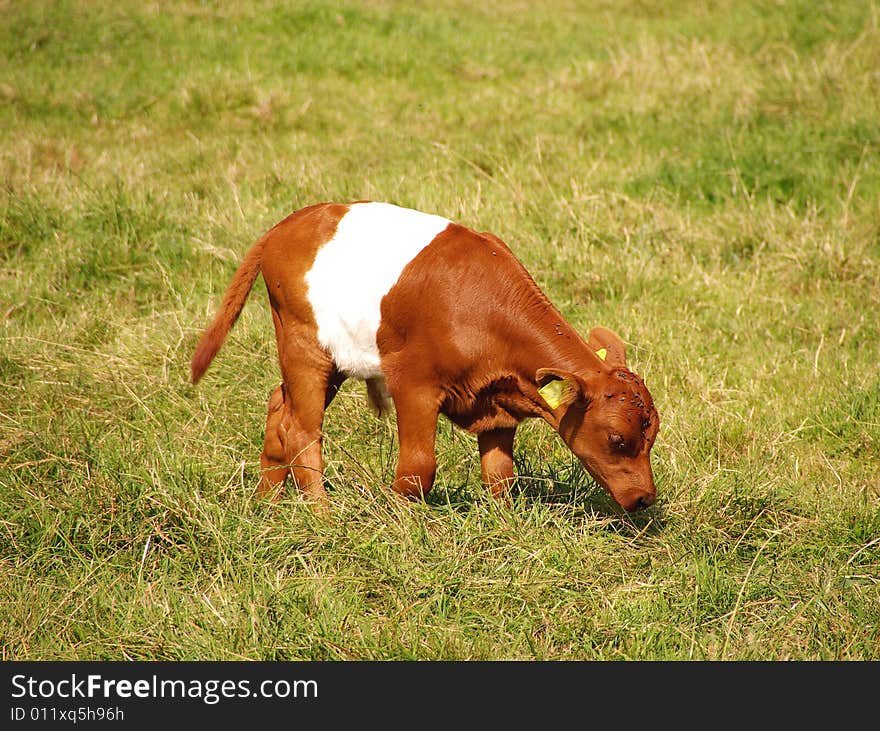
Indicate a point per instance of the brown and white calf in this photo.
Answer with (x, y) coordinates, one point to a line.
(449, 322)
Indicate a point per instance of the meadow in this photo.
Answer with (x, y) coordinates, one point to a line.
(699, 175)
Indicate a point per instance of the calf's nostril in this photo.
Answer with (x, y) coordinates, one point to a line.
(646, 500)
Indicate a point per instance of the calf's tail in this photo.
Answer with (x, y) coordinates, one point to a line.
(236, 295)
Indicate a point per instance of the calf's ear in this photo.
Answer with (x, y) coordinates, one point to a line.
(608, 346)
(557, 388)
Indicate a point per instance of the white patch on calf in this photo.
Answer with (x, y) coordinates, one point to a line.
(355, 269)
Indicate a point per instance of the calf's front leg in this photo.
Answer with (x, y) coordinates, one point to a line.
(496, 460)
(417, 413)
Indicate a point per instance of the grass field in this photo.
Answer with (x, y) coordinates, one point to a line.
(701, 177)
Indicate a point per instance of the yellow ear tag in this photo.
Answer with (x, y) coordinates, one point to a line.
(602, 353)
(553, 392)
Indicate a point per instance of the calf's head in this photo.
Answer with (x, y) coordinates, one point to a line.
(607, 420)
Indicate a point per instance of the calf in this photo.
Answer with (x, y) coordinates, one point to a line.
(444, 320)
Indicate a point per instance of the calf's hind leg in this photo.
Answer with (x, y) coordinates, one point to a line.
(274, 466)
(289, 444)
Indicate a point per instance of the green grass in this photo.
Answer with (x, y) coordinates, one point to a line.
(703, 177)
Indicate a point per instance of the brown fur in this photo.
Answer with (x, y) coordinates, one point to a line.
(464, 332)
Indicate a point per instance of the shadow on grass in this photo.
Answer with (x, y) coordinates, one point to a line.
(567, 486)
